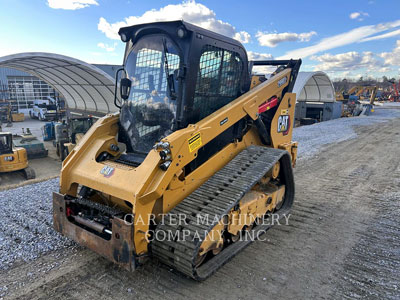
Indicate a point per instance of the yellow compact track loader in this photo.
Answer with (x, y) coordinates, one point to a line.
(13, 158)
(199, 155)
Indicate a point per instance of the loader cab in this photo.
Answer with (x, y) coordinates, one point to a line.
(178, 74)
(5, 143)
(79, 126)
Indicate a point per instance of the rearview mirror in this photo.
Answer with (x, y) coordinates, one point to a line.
(125, 87)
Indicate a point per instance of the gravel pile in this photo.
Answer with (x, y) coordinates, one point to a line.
(26, 212)
(26, 231)
(312, 137)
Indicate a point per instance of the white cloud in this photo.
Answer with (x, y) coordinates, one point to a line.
(110, 30)
(242, 36)
(70, 4)
(346, 38)
(107, 47)
(385, 70)
(347, 61)
(259, 56)
(189, 11)
(358, 15)
(382, 36)
(392, 58)
(273, 39)
(359, 62)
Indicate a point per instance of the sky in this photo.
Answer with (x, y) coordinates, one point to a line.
(351, 38)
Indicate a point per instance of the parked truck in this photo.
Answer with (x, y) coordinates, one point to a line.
(44, 110)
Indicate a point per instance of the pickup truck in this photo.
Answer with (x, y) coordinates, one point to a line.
(43, 110)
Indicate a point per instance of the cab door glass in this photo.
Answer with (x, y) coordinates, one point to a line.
(218, 81)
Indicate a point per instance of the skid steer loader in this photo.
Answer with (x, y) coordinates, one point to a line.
(199, 154)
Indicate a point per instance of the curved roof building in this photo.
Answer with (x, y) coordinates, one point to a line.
(314, 87)
(85, 87)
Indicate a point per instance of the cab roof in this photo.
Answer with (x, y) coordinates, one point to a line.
(171, 27)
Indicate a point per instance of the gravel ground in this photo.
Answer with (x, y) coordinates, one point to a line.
(311, 138)
(26, 231)
(372, 269)
(342, 241)
(26, 212)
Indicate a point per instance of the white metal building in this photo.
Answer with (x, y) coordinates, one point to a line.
(85, 87)
(314, 87)
(316, 97)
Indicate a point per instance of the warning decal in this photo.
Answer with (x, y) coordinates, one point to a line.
(194, 142)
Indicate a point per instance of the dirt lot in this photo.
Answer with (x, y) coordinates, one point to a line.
(343, 241)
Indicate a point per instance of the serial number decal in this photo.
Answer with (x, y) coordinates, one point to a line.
(194, 142)
(282, 81)
(283, 124)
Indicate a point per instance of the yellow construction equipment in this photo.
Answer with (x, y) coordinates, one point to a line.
(355, 101)
(17, 117)
(12, 158)
(372, 91)
(356, 92)
(344, 96)
(199, 155)
(368, 104)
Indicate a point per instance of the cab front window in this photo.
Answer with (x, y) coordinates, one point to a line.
(150, 111)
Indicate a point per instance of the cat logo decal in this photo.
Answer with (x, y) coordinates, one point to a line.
(283, 124)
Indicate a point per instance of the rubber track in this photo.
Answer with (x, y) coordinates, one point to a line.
(216, 197)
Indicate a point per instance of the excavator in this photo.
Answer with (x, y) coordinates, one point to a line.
(13, 158)
(199, 155)
(352, 94)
